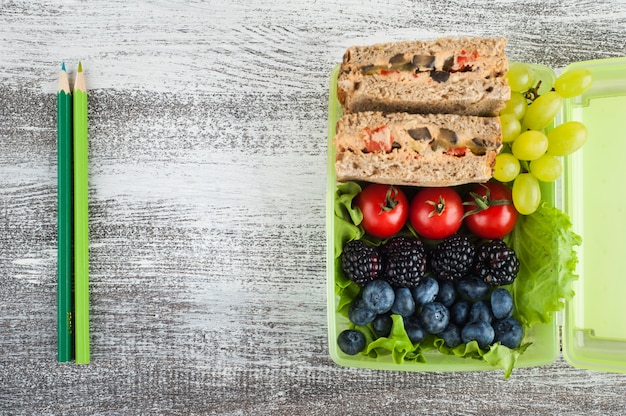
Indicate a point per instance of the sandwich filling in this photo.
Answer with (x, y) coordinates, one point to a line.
(438, 66)
(412, 139)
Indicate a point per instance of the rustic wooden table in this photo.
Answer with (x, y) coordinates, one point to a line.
(208, 135)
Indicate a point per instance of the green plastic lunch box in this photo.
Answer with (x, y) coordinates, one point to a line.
(591, 327)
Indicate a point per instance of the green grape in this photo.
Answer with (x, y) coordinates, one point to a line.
(530, 145)
(516, 105)
(526, 193)
(572, 83)
(507, 167)
(542, 111)
(566, 138)
(521, 77)
(547, 168)
(511, 127)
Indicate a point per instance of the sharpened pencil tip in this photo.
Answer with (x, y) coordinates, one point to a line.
(80, 67)
(63, 66)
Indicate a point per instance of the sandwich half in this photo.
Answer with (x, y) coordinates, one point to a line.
(448, 75)
(416, 149)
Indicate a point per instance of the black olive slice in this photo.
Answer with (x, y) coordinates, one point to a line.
(397, 59)
(420, 134)
(423, 62)
(369, 69)
(439, 144)
(448, 135)
(447, 64)
(439, 76)
(479, 146)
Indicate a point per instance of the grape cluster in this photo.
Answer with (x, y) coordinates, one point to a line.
(531, 153)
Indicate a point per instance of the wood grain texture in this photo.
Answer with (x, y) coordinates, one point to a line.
(207, 206)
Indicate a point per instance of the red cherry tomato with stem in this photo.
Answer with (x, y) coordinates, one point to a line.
(436, 213)
(385, 209)
(489, 211)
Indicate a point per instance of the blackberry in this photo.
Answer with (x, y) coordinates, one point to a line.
(496, 263)
(453, 258)
(361, 263)
(404, 261)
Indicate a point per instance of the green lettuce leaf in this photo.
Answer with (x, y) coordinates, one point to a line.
(345, 193)
(346, 229)
(397, 343)
(503, 357)
(545, 245)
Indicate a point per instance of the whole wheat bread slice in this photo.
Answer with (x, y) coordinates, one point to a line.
(416, 149)
(448, 75)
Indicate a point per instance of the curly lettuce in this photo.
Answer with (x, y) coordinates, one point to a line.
(545, 245)
(346, 229)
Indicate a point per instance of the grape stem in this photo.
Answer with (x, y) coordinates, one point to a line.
(525, 167)
(533, 93)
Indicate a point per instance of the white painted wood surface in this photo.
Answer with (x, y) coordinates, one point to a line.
(207, 186)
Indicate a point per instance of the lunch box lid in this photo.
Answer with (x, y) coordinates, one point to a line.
(593, 194)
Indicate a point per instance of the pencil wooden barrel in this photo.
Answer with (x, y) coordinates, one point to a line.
(65, 333)
(81, 219)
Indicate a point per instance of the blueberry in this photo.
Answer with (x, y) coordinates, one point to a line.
(451, 335)
(479, 331)
(404, 305)
(378, 296)
(382, 325)
(472, 288)
(501, 303)
(414, 329)
(447, 293)
(359, 314)
(426, 291)
(434, 317)
(351, 341)
(480, 312)
(508, 332)
(459, 312)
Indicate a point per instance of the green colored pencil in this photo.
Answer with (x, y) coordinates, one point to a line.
(81, 220)
(64, 206)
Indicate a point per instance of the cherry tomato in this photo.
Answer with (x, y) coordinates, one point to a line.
(489, 211)
(385, 209)
(436, 213)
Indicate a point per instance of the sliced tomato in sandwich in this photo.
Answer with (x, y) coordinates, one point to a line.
(378, 139)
